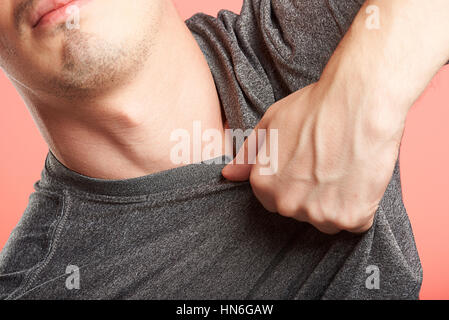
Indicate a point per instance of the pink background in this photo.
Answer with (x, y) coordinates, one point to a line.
(424, 161)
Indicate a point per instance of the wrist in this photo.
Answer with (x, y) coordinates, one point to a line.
(379, 112)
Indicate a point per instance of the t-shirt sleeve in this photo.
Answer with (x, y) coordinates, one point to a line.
(269, 50)
(296, 37)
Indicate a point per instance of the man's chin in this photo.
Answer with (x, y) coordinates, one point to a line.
(89, 65)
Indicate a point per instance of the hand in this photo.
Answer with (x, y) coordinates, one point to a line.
(335, 159)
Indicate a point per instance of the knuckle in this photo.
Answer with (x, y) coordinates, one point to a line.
(326, 216)
(347, 222)
(258, 182)
(329, 230)
(286, 207)
(352, 220)
(313, 214)
(368, 226)
(321, 224)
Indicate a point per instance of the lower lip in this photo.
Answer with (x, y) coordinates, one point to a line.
(60, 15)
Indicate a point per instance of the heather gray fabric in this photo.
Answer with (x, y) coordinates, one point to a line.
(189, 234)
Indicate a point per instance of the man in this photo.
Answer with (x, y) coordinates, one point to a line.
(113, 217)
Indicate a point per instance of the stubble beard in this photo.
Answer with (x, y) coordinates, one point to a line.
(91, 65)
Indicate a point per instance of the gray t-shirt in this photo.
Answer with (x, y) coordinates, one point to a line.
(187, 233)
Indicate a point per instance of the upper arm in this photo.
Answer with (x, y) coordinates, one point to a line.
(294, 39)
(270, 50)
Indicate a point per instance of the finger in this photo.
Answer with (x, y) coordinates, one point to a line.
(330, 230)
(240, 168)
(364, 228)
(326, 228)
(262, 185)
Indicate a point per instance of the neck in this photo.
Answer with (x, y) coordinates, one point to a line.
(125, 133)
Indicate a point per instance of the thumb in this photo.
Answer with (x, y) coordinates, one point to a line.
(237, 172)
(240, 168)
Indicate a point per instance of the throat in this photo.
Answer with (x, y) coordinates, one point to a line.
(146, 124)
(141, 140)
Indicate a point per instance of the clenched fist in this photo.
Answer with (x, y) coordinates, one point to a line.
(335, 159)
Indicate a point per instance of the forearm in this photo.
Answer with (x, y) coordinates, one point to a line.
(339, 137)
(385, 70)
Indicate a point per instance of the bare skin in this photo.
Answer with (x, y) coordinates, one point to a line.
(340, 137)
(106, 98)
(106, 105)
